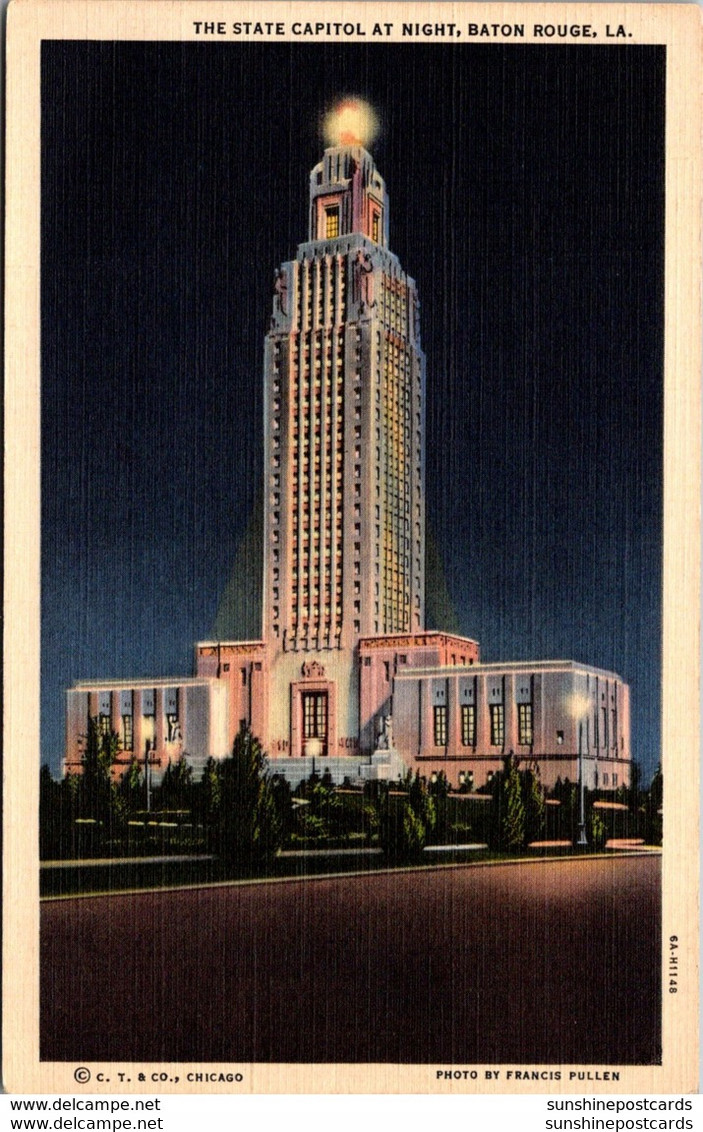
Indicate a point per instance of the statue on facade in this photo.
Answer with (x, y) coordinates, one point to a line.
(385, 735)
(363, 280)
(281, 292)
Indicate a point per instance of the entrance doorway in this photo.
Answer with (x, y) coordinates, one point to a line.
(315, 716)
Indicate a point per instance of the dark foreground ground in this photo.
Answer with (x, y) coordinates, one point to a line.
(548, 962)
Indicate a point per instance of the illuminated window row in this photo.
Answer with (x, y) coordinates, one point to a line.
(497, 725)
(322, 290)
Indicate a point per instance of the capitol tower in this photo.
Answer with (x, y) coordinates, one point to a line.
(345, 677)
(344, 435)
(344, 545)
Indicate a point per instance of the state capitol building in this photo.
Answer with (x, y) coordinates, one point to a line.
(345, 677)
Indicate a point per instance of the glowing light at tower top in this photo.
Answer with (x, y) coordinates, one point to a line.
(351, 121)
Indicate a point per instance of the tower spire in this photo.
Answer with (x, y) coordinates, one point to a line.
(347, 193)
(348, 196)
(344, 550)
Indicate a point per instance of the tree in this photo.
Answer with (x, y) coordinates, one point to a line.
(70, 804)
(403, 829)
(131, 787)
(518, 811)
(534, 804)
(422, 804)
(654, 801)
(634, 798)
(438, 789)
(208, 795)
(567, 794)
(248, 830)
(50, 814)
(414, 834)
(176, 789)
(402, 832)
(439, 786)
(98, 797)
(597, 831)
(512, 819)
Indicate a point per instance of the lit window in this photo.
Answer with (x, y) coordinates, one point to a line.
(497, 725)
(524, 724)
(173, 727)
(468, 725)
(331, 223)
(127, 733)
(440, 725)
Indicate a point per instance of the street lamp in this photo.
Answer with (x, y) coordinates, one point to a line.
(147, 775)
(579, 707)
(313, 750)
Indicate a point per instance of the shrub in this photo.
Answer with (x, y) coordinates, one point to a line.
(402, 833)
(597, 831)
(248, 827)
(309, 826)
(404, 824)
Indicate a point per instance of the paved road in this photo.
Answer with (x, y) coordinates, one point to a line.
(550, 962)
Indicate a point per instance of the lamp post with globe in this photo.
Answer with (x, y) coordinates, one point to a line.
(313, 750)
(579, 708)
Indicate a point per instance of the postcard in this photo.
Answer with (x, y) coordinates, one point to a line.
(352, 464)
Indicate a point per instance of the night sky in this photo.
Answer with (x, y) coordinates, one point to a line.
(526, 188)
